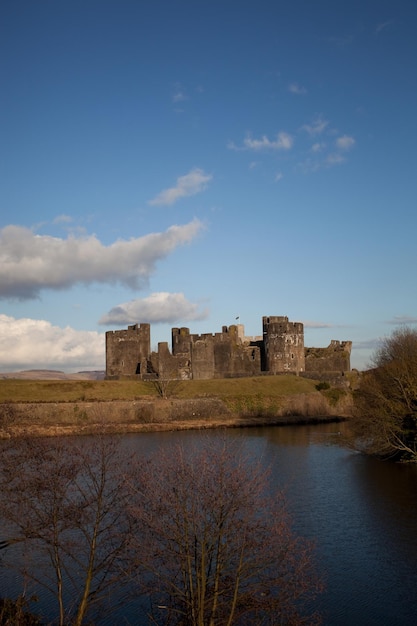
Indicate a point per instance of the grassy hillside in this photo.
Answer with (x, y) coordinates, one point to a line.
(12, 390)
(54, 407)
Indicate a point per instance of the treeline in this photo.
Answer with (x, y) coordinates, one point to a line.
(385, 416)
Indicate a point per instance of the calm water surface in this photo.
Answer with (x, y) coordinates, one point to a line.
(362, 514)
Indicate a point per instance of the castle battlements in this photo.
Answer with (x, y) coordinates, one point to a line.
(225, 354)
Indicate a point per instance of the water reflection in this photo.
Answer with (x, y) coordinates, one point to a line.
(362, 513)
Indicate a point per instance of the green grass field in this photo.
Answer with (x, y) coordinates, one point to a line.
(13, 390)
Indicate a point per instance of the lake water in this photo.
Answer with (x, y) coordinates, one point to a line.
(361, 512)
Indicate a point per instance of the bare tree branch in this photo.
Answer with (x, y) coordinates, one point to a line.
(66, 502)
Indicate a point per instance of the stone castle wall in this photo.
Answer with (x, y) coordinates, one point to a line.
(335, 358)
(128, 351)
(222, 355)
(228, 354)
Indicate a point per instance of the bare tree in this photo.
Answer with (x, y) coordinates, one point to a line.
(385, 422)
(215, 549)
(65, 503)
(165, 384)
(207, 542)
(166, 379)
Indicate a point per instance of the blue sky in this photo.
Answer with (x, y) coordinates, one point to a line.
(184, 163)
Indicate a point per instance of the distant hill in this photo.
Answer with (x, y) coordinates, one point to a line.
(53, 375)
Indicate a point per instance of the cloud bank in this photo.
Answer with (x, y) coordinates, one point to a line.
(37, 344)
(403, 320)
(157, 308)
(30, 263)
(192, 183)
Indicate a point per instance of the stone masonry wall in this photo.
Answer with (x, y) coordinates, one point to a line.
(284, 345)
(334, 358)
(226, 354)
(127, 351)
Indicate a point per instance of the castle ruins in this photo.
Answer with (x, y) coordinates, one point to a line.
(228, 354)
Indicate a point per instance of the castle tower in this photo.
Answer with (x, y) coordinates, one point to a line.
(181, 341)
(181, 349)
(283, 345)
(128, 351)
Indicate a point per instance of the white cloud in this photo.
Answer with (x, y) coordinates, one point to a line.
(368, 344)
(192, 183)
(334, 159)
(283, 141)
(382, 26)
(37, 344)
(278, 176)
(162, 307)
(310, 324)
(297, 89)
(30, 263)
(316, 127)
(345, 142)
(319, 146)
(179, 94)
(60, 219)
(322, 157)
(309, 165)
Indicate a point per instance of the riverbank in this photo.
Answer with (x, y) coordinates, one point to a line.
(156, 414)
(63, 407)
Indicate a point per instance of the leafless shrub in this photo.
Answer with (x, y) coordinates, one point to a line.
(8, 415)
(144, 412)
(307, 405)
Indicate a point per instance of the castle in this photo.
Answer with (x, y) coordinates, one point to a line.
(228, 354)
